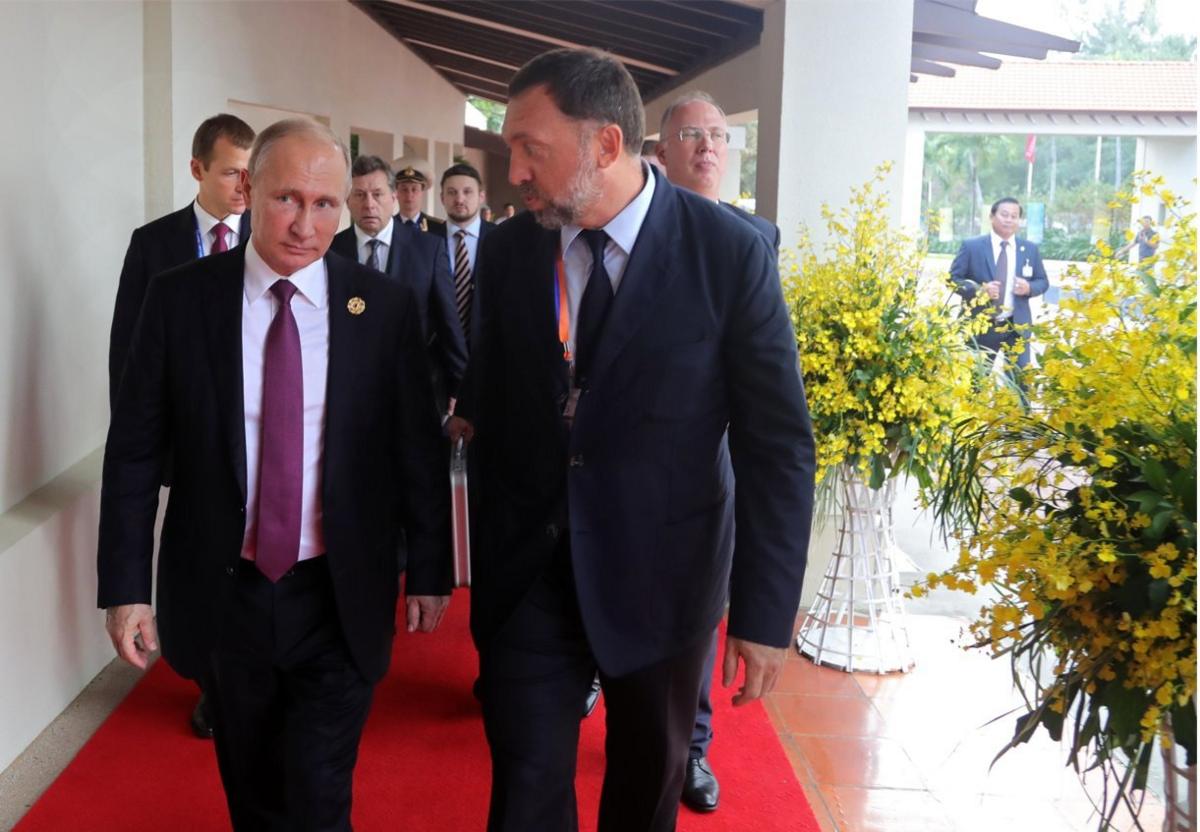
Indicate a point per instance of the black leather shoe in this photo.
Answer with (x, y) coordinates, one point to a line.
(593, 697)
(701, 792)
(201, 723)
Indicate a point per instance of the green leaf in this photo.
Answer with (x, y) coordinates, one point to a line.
(1155, 475)
(1143, 767)
(1147, 500)
(1150, 283)
(1158, 526)
(1159, 592)
(1022, 497)
(878, 473)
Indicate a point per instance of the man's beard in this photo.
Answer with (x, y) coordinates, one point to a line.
(582, 193)
(460, 217)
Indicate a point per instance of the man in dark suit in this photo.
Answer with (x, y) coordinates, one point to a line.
(216, 220)
(220, 151)
(1009, 270)
(293, 391)
(693, 148)
(411, 185)
(417, 260)
(612, 402)
(464, 232)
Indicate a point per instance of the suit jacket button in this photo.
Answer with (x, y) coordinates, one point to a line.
(576, 461)
(552, 530)
(229, 570)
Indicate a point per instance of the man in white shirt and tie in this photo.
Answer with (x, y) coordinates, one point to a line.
(215, 221)
(462, 195)
(1009, 270)
(379, 240)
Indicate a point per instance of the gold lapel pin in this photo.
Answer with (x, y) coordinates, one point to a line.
(356, 305)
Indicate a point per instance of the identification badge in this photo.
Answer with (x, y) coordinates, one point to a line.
(572, 403)
(1027, 270)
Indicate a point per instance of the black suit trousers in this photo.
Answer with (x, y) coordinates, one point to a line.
(535, 675)
(288, 703)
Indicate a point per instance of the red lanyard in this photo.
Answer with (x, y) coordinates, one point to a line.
(562, 307)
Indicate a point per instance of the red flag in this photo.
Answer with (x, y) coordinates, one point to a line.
(1030, 148)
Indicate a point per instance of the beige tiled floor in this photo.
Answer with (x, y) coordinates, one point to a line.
(914, 751)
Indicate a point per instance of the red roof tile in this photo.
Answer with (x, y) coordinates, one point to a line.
(1063, 86)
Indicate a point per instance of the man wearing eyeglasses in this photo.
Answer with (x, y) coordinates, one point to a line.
(693, 148)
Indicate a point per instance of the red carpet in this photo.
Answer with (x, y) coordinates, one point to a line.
(423, 766)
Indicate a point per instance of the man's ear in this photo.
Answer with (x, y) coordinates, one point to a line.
(612, 144)
(197, 170)
(243, 183)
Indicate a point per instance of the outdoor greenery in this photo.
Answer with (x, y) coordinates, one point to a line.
(1076, 506)
(886, 369)
(493, 111)
(967, 173)
(1120, 35)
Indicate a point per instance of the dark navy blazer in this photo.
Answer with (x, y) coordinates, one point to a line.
(697, 342)
(974, 266)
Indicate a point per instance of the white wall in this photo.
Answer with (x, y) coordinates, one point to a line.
(101, 98)
(72, 172)
(326, 57)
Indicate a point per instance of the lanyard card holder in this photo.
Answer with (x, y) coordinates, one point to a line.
(460, 527)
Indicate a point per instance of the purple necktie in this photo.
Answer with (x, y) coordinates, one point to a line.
(281, 468)
(219, 232)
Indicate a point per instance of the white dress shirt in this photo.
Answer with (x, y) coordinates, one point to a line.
(471, 241)
(310, 308)
(622, 230)
(207, 223)
(1007, 301)
(364, 245)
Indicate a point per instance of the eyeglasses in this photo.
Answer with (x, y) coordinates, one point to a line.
(717, 135)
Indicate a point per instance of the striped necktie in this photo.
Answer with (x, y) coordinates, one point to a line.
(462, 281)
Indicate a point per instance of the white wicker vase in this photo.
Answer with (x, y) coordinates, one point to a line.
(1180, 790)
(856, 622)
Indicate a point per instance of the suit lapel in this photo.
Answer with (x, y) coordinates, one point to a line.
(223, 311)
(649, 272)
(345, 282)
(988, 260)
(398, 250)
(244, 227)
(184, 239)
(542, 317)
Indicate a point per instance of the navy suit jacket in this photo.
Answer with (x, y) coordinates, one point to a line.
(485, 228)
(383, 462)
(419, 261)
(697, 342)
(163, 244)
(974, 266)
(768, 229)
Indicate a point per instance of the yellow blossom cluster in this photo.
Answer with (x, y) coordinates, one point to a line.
(886, 368)
(1077, 508)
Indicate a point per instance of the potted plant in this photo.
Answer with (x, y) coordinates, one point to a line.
(1078, 511)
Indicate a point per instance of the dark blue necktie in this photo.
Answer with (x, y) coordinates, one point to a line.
(593, 309)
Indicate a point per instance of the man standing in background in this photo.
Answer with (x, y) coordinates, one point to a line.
(464, 231)
(411, 185)
(416, 260)
(693, 148)
(1009, 271)
(215, 221)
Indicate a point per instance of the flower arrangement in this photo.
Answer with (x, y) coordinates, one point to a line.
(886, 370)
(1078, 511)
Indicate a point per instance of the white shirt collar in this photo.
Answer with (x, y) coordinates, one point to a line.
(472, 228)
(997, 239)
(206, 221)
(312, 281)
(622, 229)
(414, 218)
(384, 236)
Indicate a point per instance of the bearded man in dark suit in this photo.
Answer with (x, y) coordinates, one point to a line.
(634, 356)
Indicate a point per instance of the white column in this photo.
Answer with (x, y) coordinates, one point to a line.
(913, 173)
(833, 104)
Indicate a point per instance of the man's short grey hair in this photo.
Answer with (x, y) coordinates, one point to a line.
(294, 127)
(366, 165)
(686, 98)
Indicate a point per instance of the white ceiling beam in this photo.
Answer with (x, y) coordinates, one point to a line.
(950, 55)
(930, 68)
